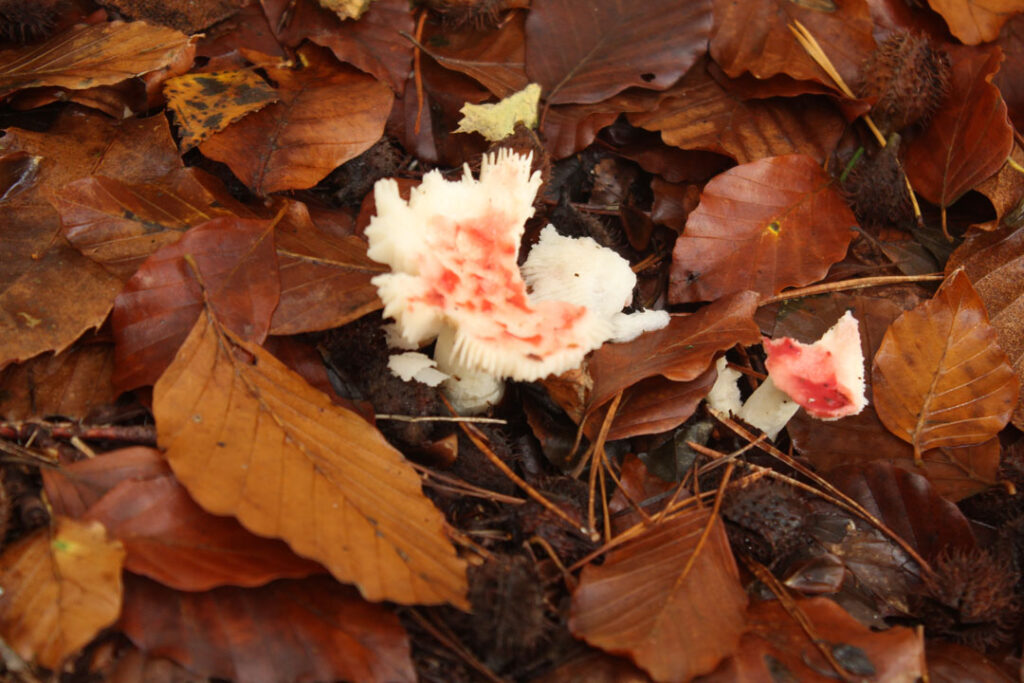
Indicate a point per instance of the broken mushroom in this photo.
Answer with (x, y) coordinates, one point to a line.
(452, 249)
(826, 378)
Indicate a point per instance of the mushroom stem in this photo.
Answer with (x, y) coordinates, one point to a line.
(768, 408)
(470, 391)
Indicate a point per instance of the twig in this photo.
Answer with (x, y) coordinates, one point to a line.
(843, 285)
(441, 418)
(138, 434)
(451, 642)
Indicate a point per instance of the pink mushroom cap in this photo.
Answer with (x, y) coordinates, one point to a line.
(826, 378)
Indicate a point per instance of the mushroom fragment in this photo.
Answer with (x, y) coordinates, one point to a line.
(452, 249)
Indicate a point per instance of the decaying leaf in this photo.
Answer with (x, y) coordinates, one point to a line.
(204, 103)
(61, 587)
(310, 629)
(939, 377)
(762, 226)
(669, 598)
(497, 121)
(89, 55)
(290, 464)
(346, 9)
(68, 384)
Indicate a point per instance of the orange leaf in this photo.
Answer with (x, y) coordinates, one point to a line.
(778, 647)
(305, 630)
(255, 441)
(976, 21)
(159, 305)
(60, 590)
(590, 56)
(85, 56)
(328, 114)
(754, 36)
(204, 103)
(970, 135)
(673, 604)
(762, 226)
(939, 377)
(993, 261)
(700, 113)
(325, 280)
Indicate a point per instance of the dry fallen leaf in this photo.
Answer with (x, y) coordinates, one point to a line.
(673, 603)
(68, 384)
(290, 464)
(60, 588)
(204, 103)
(976, 21)
(939, 378)
(89, 55)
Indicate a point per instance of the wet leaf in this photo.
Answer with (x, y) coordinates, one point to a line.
(969, 137)
(699, 113)
(89, 55)
(60, 589)
(170, 539)
(953, 663)
(994, 262)
(72, 490)
(159, 305)
(312, 629)
(657, 404)
(673, 604)
(588, 56)
(495, 59)
(204, 103)
(1010, 78)
(754, 36)
(328, 114)
(325, 280)
(277, 440)
(976, 21)
(777, 647)
(939, 378)
(68, 384)
(762, 226)
(119, 224)
(681, 352)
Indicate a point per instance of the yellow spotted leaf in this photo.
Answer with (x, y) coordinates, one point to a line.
(250, 438)
(204, 103)
(61, 587)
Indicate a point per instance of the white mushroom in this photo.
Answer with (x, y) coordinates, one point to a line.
(452, 250)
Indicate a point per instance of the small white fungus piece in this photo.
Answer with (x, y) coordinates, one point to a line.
(414, 365)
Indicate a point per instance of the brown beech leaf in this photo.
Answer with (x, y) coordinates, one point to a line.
(49, 293)
(292, 465)
(699, 113)
(328, 114)
(969, 137)
(674, 604)
(89, 55)
(954, 663)
(994, 262)
(1006, 188)
(325, 280)
(155, 312)
(291, 630)
(762, 226)
(1010, 78)
(373, 44)
(754, 36)
(939, 378)
(61, 588)
(73, 489)
(204, 103)
(778, 647)
(589, 56)
(681, 352)
(170, 539)
(657, 404)
(68, 384)
(496, 59)
(907, 504)
(594, 666)
(976, 21)
(119, 224)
